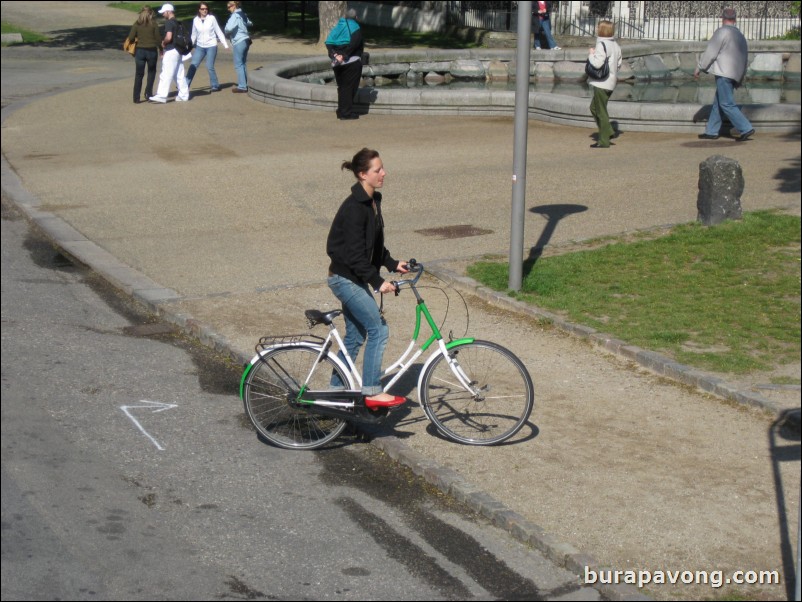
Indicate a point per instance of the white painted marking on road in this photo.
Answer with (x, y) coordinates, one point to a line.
(155, 406)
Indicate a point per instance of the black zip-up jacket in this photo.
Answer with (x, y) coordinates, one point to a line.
(356, 240)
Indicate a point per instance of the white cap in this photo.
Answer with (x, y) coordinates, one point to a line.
(166, 8)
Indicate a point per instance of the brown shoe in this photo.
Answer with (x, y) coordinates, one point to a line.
(239, 91)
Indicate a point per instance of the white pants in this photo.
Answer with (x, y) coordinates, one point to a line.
(172, 70)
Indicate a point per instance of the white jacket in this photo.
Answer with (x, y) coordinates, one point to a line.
(206, 32)
(597, 60)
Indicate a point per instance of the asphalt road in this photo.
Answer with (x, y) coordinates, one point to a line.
(130, 472)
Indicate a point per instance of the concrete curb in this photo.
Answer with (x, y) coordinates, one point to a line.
(11, 38)
(448, 481)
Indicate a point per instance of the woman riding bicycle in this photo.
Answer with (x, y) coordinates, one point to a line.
(356, 247)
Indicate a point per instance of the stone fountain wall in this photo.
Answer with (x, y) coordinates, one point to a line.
(308, 84)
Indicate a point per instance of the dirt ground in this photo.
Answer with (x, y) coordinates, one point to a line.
(625, 465)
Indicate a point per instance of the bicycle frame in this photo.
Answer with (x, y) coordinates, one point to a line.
(400, 366)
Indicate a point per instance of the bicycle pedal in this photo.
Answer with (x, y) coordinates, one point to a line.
(367, 416)
(373, 404)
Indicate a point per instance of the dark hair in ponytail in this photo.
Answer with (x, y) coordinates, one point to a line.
(361, 161)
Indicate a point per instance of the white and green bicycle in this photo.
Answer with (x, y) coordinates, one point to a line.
(475, 392)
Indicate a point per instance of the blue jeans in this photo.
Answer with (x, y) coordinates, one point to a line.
(724, 102)
(362, 320)
(545, 27)
(240, 62)
(198, 54)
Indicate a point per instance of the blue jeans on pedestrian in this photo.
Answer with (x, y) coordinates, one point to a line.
(198, 54)
(724, 102)
(545, 26)
(240, 51)
(362, 320)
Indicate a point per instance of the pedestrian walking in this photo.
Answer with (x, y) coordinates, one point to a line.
(205, 34)
(145, 32)
(237, 31)
(172, 61)
(542, 15)
(726, 57)
(606, 49)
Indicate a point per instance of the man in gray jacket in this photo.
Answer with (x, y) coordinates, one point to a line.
(726, 58)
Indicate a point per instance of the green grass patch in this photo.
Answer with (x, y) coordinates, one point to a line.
(725, 298)
(271, 18)
(28, 37)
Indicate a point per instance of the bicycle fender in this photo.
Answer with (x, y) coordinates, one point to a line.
(259, 355)
(431, 358)
(456, 342)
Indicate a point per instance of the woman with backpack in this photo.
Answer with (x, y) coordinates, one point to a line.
(345, 47)
(172, 65)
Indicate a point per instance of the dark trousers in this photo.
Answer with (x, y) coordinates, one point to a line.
(347, 77)
(145, 56)
(598, 108)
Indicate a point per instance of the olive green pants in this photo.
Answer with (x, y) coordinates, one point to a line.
(598, 108)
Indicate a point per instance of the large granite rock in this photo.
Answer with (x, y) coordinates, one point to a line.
(721, 184)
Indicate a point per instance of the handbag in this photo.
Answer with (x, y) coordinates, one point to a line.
(129, 46)
(599, 73)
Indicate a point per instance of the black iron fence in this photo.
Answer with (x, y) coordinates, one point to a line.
(691, 21)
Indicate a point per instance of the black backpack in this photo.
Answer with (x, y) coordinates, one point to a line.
(181, 40)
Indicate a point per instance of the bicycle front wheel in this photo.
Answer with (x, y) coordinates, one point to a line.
(271, 392)
(494, 408)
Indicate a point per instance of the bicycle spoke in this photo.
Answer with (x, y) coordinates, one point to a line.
(496, 408)
(271, 398)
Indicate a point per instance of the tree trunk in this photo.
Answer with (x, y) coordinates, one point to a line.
(329, 13)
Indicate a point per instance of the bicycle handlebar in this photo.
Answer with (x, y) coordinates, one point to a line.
(412, 266)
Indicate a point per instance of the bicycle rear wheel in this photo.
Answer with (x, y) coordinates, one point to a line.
(270, 397)
(499, 402)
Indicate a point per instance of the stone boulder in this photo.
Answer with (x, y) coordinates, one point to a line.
(766, 66)
(721, 184)
(467, 69)
(434, 78)
(543, 72)
(497, 71)
(569, 71)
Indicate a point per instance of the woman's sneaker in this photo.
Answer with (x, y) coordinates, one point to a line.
(384, 401)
